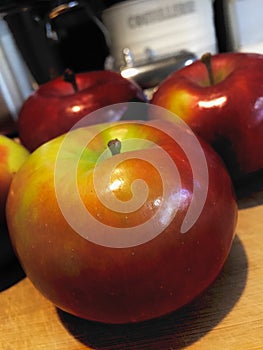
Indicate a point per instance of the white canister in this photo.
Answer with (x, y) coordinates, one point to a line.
(160, 27)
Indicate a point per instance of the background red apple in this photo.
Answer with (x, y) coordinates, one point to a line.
(226, 109)
(100, 261)
(58, 104)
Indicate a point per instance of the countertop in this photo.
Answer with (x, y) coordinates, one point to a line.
(228, 315)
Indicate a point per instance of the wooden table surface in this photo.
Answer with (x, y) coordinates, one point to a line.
(227, 316)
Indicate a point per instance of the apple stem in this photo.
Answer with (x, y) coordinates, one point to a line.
(114, 146)
(207, 60)
(69, 76)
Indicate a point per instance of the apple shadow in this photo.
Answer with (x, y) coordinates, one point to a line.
(249, 192)
(178, 329)
(11, 274)
(11, 271)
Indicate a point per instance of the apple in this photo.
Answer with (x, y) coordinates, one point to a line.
(221, 99)
(112, 222)
(12, 156)
(59, 103)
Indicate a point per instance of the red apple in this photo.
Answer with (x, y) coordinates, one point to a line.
(226, 109)
(58, 104)
(109, 235)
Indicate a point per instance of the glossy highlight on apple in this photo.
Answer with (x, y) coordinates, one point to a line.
(128, 197)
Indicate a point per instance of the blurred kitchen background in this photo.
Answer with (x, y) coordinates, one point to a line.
(145, 40)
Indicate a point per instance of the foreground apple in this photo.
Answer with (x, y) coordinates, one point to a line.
(97, 218)
(222, 100)
(12, 156)
(58, 104)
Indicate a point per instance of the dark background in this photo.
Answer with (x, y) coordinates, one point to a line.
(81, 43)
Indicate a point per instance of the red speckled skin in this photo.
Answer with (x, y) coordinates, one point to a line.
(120, 285)
(55, 107)
(229, 114)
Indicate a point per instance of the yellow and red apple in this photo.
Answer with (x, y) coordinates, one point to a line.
(12, 156)
(96, 216)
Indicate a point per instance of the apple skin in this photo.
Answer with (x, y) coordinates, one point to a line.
(12, 156)
(55, 106)
(228, 114)
(119, 284)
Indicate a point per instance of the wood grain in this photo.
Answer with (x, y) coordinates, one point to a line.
(228, 315)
